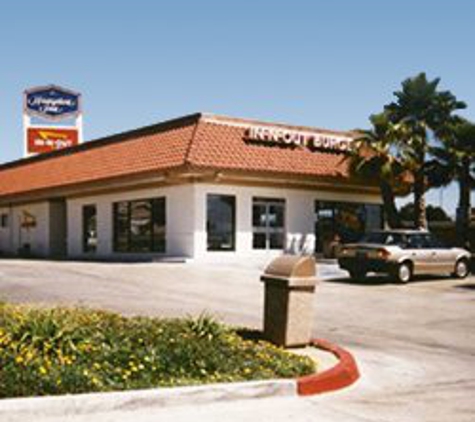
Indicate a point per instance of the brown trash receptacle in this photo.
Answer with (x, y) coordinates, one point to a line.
(289, 294)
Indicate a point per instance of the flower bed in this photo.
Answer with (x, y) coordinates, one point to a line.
(61, 351)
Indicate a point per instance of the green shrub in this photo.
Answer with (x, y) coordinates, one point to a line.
(59, 351)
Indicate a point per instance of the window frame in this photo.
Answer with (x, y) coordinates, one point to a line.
(4, 220)
(233, 223)
(335, 208)
(268, 230)
(157, 238)
(86, 247)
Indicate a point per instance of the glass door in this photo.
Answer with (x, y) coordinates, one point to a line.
(268, 221)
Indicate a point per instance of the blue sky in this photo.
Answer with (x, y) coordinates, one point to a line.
(320, 63)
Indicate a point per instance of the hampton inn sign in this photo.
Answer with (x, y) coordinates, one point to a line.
(297, 138)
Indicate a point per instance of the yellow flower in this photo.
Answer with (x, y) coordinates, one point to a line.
(43, 370)
(19, 359)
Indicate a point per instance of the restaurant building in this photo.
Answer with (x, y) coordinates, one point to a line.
(201, 186)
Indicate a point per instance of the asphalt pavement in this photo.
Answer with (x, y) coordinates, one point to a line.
(415, 344)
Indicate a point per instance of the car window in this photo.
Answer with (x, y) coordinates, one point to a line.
(417, 241)
(436, 243)
(381, 238)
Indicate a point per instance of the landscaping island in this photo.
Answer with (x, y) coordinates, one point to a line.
(65, 351)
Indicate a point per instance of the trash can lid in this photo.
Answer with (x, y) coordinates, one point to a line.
(290, 266)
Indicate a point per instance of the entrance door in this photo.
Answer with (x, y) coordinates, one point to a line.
(268, 221)
(58, 228)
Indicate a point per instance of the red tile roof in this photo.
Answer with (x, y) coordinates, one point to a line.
(199, 141)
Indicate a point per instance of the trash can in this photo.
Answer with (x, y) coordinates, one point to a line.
(289, 294)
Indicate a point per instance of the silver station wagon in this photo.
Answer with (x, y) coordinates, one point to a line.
(402, 254)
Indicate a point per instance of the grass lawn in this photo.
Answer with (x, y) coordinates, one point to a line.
(62, 351)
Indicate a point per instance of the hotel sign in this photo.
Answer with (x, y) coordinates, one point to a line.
(44, 105)
(52, 103)
(50, 139)
(296, 138)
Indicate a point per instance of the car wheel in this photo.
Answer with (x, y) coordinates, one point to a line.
(403, 273)
(357, 275)
(461, 268)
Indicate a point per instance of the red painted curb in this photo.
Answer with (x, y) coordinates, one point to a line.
(343, 374)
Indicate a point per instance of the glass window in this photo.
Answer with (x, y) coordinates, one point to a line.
(259, 241)
(89, 228)
(373, 218)
(418, 241)
(121, 226)
(221, 222)
(159, 225)
(4, 220)
(139, 226)
(343, 222)
(268, 220)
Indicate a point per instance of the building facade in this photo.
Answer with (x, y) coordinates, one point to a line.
(202, 186)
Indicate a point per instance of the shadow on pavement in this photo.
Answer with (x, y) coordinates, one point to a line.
(468, 286)
(378, 280)
(367, 281)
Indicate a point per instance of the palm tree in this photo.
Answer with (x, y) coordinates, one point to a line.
(421, 112)
(454, 159)
(371, 158)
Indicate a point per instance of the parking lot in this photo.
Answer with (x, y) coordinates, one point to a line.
(415, 343)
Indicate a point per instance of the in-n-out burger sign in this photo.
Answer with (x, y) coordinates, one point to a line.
(297, 138)
(42, 139)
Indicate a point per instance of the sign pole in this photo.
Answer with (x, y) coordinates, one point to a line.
(26, 125)
(79, 127)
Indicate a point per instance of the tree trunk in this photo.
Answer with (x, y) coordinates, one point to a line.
(464, 206)
(420, 220)
(389, 205)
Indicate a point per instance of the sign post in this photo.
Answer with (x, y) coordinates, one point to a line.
(52, 119)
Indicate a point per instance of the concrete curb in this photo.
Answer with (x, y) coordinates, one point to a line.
(80, 404)
(344, 373)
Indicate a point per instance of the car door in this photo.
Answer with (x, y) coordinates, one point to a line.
(418, 252)
(441, 256)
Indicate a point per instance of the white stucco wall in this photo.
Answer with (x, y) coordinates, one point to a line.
(185, 217)
(299, 215)
(14, 236)
(179, 218)
(5, 232)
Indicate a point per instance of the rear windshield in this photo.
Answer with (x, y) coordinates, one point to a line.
(384, 238)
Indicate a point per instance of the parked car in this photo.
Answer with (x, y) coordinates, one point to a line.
(403, 254)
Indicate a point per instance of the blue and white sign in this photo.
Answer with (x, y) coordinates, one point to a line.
(52, 102)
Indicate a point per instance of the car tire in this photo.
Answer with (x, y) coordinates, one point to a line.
(403, 273)
(357, 275)
(461, 269)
